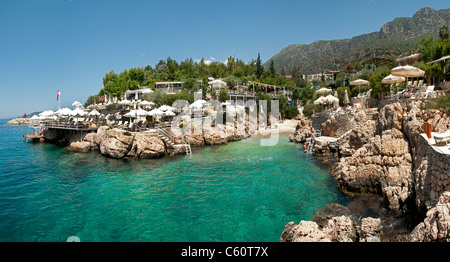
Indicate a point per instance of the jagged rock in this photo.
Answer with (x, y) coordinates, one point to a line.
(303, 131)
(436, 226)
(391, 116)
(81, 146)
(116, 143)
(340, 229)
(382, 166)
(305, 231)
(21, 121)
(145, 146)
(371, 230)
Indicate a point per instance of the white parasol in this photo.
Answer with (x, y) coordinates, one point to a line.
(359, 82)
(323, 90)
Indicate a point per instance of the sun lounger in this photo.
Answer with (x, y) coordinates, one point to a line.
(442, 138)
(429, 91)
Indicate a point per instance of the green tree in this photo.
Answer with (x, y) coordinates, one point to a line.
(376, 85)
(259, 67)
(273, 71)
(223, 96)
(443, 32)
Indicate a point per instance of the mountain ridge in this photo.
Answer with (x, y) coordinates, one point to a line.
(393, 39)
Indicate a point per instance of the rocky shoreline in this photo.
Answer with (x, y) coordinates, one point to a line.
(382, 152)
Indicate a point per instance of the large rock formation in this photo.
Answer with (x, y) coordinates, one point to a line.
(115, 143)
(383, 165)
(337, 229)
(303, 130)
(436, 226)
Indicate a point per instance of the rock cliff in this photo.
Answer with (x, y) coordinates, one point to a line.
(391, 157)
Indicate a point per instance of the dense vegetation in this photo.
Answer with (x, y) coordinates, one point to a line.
(194, 75)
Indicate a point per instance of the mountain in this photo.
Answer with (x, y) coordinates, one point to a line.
(393, 39)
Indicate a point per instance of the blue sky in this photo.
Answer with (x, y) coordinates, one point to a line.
(71, 44)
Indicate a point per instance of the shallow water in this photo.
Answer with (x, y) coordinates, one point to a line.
(236, 192)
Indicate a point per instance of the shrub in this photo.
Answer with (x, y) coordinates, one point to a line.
(291, 112)
(310, 108)
(438, 103)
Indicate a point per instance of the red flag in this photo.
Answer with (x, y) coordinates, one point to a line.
(57, 94)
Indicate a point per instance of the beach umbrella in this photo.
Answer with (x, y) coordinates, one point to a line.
(407, 71)
(169, 113)
(217, 83)
(319, 101)
(46, 114)
(63, 112)
(359, 82)
(330, 99)
(94, 113)
(197, 104)
(76, 104)
(166, 107)
(323, 90)
(391, 79)
(136, 113)
(146, 103)
(156, 112)
(125, 102)
(77, 112)
(146, 91)
(346, 100)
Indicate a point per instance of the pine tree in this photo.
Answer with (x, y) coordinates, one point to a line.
(273, 72)
(259, 67)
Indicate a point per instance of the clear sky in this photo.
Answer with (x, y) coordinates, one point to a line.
(71, 44)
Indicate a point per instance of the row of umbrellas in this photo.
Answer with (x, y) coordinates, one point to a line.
(398, 74)
(50, 114)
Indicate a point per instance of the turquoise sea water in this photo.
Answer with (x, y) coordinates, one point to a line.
(235, 192)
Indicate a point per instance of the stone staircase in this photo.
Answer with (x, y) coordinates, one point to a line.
(169, 139)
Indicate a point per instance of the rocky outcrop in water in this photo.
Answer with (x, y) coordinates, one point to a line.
(436, 226)
(303, 130)
(391, 157)
(338, 229)
(21, 121)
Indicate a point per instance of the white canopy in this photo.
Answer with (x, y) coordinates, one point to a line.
(46, 113)
(197, 104)
(320, 100)
(94, 113)
(146, 103)
(76, 104)
(156, 112)
(136, 113)
(125, 102)
(407, 71)
(323, 90)
(166, 107)
(146, 91)
(359, 82)
(35, 117)
(77, 112)
(169, 113)
(346, 100)
(330, 99)
(217, 83)
(64, 112)
(390, 79)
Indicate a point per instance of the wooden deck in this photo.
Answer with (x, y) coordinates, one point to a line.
(68, 126)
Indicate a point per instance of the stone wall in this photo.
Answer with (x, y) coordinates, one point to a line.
(431, 174)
